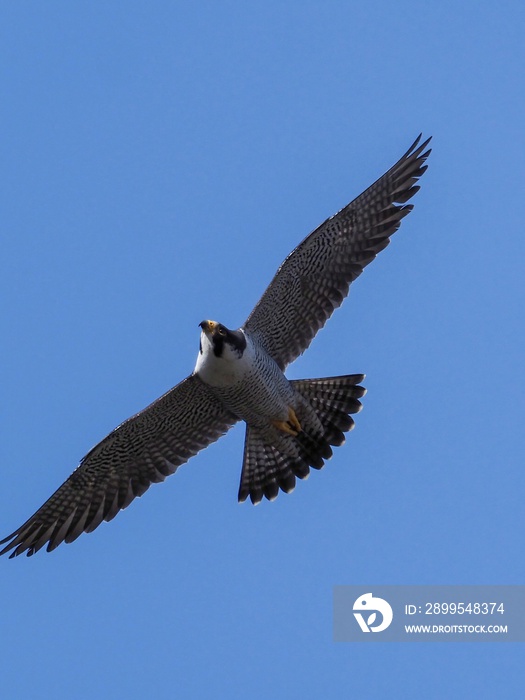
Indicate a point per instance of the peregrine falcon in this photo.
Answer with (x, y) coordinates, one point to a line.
(291, 425)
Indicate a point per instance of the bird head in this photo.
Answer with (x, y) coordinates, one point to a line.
(224, 343)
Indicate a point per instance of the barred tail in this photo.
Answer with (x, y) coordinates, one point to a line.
(266, 469)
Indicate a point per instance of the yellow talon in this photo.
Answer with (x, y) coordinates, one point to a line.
(291, 426)
(293, 420)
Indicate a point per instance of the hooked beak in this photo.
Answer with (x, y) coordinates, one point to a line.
(208, 326)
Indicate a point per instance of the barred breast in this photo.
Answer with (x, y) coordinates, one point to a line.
(252, 387)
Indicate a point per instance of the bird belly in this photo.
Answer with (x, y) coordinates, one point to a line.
(253, 388)
(258, 399)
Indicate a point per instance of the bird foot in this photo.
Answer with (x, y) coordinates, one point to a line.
(290, 426)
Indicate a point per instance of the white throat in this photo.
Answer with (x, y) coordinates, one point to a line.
(222, 371)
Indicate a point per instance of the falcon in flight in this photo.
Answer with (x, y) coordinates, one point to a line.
(291, 425)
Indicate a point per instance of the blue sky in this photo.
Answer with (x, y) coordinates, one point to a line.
(159, 160)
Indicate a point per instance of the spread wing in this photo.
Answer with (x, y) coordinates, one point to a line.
(315, 277)
(145, 449)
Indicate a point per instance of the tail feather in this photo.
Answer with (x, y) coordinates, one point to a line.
(335, 436)
(334, 393)
(266, 470)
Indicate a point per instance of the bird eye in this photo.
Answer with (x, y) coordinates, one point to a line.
(222, 330)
